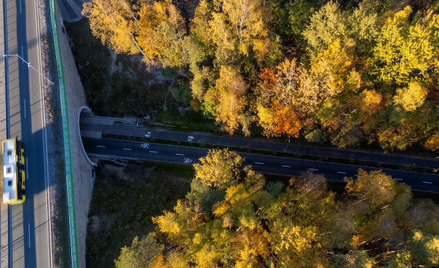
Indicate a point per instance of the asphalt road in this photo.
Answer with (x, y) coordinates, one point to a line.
(111, 148)
(35, 210)
(107, 125)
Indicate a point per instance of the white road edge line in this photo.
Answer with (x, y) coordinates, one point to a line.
(24, 108)
(427, 182)
(313, 169)
(27, 173)
(28, 229)
(398, 179)
(286, 166)
(100, 146)
(341, 172)
(259, 163)
(127, 149)
(179, 154)
(154, 152)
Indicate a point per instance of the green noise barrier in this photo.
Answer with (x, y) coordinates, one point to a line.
(66, 134)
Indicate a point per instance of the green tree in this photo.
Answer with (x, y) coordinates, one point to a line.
(143, 253)
(327, 25)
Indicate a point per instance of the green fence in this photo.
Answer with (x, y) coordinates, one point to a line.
(66, 134)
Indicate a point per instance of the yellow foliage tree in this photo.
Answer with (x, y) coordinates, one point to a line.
(113, 21)
(377, 188)
(228, 99)
(219, 169)
(411, 97)
(241, 25)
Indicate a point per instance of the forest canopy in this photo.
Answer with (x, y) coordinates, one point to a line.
(232, 218)
(343, 72)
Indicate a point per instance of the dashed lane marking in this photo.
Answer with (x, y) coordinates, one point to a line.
(100, 146)
(127, 149)
(179, 154)
(154, 152)
(286, 166)
(427, 182)
(341, 172)
(259, 163)
(313, 169)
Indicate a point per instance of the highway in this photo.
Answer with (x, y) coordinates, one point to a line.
(109, 126)
(112, 149)
(30, 230)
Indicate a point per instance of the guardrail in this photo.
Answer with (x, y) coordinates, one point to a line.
(66, 134)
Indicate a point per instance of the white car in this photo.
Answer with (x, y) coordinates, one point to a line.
(144, 145)
(190, 138)
(148, 135)
(187, 161)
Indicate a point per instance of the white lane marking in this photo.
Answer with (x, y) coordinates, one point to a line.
(24, 106)
(313, 169)
(286, 166)
(427, 182)
(127, 149)
(259, 163)
(22, 52)
(20, 6)
(100, 146)
(341, 172)
(398, 179)
(28, 229)
(27, 173)
(154, 152)
(179, 154)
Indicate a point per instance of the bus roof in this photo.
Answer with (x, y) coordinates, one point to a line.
(9, 170)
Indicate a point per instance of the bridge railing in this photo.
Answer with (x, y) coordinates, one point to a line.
(66, 136)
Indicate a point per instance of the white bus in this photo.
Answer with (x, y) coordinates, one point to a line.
(14, 176)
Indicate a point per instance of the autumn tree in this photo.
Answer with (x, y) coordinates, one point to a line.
(406, 49)
(327, 25)
(143, 253)
(227, 101)
(115, 23)
(219, 169)
(231, 218)
(154, 29)
(240, 26)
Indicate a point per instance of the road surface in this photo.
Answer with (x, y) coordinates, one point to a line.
(34, 212)
(111, 126)
(111, 148)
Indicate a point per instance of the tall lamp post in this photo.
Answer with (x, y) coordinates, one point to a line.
(28, 65)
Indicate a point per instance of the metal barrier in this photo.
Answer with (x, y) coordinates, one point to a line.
(66, 134)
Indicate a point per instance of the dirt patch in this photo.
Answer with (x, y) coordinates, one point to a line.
(125, 199)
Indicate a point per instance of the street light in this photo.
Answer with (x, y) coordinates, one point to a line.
(28, 65)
